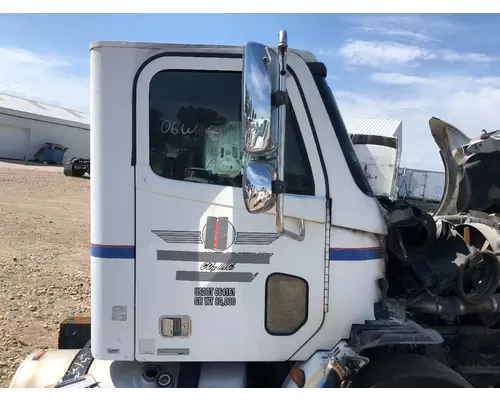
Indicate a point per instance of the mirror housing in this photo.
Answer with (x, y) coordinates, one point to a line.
(260, 118)
(264, 106)
(258, 187)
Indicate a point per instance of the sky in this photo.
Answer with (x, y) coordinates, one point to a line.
(403, 66)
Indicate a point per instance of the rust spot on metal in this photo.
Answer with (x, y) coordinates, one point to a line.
(338, 369)
(39, 355)
(79, 319)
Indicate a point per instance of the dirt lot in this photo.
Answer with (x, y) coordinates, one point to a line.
(44, 258)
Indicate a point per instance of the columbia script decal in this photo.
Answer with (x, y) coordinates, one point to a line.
(217, 235)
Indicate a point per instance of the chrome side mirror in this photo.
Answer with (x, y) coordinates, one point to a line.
(258, 187)
(260, 72)
(264, 104)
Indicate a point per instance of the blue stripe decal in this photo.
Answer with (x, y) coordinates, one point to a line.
(336, 254)
(370, 253)
(107, 251)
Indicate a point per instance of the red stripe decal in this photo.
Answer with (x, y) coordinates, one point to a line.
(216, 236)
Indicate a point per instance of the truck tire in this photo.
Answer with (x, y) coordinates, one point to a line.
(408, 371)
(70, 170)
(78, 172)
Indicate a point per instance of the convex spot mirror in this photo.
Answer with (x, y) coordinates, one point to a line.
(258, 187)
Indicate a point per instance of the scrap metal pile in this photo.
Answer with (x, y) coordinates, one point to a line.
(446, 265)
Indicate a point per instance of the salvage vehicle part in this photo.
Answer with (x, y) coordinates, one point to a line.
(236, 241)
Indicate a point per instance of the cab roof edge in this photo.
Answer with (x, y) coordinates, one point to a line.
(307, 56)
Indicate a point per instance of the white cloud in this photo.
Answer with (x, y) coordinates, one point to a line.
(394, 78)
(372, 53)
(377, 53)
(42, 77)
(444, 82)
(425, 26)
(453, 56)
(470, 103)
(406, 34)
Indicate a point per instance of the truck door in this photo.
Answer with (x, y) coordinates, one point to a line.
(213, 282)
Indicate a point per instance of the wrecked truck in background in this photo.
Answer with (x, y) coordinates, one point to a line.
(444, 268)
(472, 183)
(472, 169)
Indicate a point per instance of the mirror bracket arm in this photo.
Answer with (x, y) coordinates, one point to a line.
(299, 237)
(279, 98)
(259, 137)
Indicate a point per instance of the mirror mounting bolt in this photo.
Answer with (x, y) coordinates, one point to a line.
(279, 98)
(279, 187)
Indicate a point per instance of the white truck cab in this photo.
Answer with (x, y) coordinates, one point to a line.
(378, 144)
(235, 239)
(180, 269)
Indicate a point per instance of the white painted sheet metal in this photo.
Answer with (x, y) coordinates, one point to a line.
(39, 132)
(13, 142)
(377, 127)
(420, 184)
(372, 126)
(379, 166)
(31, 124)
(380, 163)
(135, 284)
(21, 107)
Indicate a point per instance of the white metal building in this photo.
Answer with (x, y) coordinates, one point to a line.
(378, 144)
(26, 125)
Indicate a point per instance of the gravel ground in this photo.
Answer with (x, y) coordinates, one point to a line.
(44, 258)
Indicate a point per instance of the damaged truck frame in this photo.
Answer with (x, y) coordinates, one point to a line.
(236, 241)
